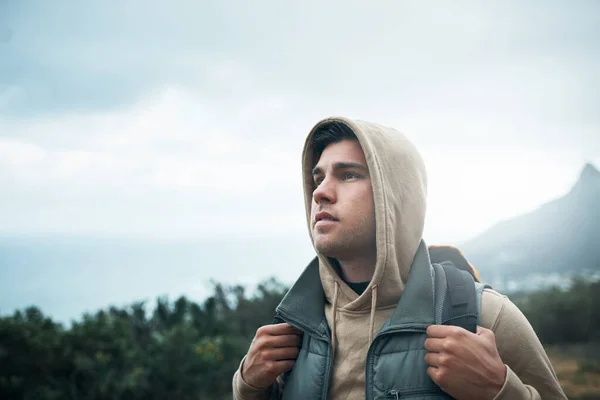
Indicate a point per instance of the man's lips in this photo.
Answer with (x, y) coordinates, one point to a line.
(323, 217)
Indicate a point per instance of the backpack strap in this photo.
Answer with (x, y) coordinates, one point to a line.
(457, 297)
(479, 287)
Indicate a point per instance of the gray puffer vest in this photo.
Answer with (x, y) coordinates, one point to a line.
(395, 366)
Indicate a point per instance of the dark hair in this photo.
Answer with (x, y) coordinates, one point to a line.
(330, 133)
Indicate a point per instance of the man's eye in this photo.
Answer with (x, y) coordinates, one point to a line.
(350, 175)
(318, 181)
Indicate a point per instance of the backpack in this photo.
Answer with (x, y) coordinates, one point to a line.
(458, 288)
(441, 254)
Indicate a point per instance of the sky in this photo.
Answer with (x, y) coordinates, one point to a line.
(186, 119)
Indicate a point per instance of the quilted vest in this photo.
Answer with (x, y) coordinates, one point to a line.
(395, 365)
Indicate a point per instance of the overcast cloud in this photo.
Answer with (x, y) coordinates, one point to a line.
(186, 119)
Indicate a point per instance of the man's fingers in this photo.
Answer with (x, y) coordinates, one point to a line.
(283, 353)
(285, 366)
(276, 368)
(273, 351)
(433, 359)
(444, 331)
(435, 374)
(440, 331)
(483, 331)
(434, 345)
(280, 329)
(285, 341)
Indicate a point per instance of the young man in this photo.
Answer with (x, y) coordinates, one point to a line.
(359, 322)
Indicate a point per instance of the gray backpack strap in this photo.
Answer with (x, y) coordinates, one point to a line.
(457, 297)
(479, 287)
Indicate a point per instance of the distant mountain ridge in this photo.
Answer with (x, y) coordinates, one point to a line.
(549, 245)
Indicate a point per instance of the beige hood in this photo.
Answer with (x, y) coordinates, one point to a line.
(399, 186)
(399, 183)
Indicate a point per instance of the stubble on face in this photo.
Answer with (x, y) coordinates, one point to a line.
(344, 191)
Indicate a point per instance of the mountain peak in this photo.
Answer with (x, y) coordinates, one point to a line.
(588, 184)
(589, 173)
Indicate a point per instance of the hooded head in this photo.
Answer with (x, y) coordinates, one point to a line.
(369, 194)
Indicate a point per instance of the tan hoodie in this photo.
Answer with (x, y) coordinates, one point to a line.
(399, 184)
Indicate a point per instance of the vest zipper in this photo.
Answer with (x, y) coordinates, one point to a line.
(401, 394)
(368, 376)
(297, 324)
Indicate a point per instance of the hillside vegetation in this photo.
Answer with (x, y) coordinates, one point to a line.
(185, 350)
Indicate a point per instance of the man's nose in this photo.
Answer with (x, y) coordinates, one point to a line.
(325, 192)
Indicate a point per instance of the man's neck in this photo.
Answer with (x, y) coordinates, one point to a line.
(357, 269)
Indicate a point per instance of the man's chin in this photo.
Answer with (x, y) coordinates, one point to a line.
(326, 247)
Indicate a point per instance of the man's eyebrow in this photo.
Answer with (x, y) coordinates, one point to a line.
(341, 165)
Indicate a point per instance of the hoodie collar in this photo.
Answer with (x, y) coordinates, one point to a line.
(304, 303)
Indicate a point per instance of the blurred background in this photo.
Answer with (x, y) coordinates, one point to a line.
(151, 210)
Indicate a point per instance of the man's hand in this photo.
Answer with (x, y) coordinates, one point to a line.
(465, 365)
(272, 352)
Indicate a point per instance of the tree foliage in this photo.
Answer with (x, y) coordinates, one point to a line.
(186, 350)
(564, 316)
(182, 350)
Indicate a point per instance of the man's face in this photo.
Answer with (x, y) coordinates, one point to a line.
(343, 212)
